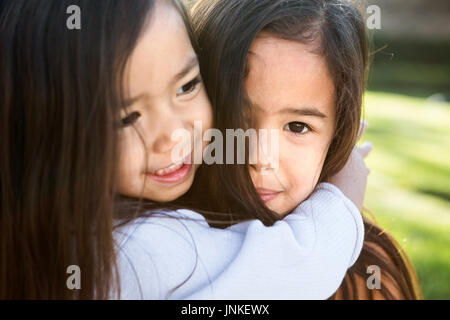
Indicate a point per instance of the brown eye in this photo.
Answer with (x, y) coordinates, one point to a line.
(130, 119)
(188, 87)
(297, 127)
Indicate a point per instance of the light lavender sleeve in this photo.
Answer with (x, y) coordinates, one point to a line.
(176, 255)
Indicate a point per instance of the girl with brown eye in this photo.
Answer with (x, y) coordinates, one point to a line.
(288, 64)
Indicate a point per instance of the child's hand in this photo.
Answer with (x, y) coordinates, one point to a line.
(352, 179)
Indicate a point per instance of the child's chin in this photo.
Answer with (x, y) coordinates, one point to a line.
(280, 210)
(168, 194)
(275, 208)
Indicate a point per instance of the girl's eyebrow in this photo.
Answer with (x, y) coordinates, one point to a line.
(309, 111)
(305, 111)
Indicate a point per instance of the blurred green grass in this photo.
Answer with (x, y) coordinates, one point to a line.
(409, 185)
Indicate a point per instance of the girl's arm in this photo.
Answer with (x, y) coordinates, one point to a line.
(304, 256)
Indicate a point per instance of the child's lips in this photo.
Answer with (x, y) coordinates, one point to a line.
(172, 175)
(267, 194)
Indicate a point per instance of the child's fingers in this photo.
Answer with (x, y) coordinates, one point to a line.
(362, 129)
(365, 149)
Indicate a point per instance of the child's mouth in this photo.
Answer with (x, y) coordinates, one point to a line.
(173, 174)
(267, 194)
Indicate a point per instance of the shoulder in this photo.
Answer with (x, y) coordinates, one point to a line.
(157, 252)
(159, 224)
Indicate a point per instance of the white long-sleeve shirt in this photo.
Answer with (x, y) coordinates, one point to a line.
(304, 256)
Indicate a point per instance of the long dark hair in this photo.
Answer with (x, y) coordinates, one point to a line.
(225, 30)
(60, 97)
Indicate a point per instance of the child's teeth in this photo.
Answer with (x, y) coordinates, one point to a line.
(172, 168)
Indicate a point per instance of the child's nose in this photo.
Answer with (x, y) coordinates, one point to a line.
(262, 168)
(260, 159)
(164, 142)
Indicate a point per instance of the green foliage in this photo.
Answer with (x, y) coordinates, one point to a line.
(409, 185)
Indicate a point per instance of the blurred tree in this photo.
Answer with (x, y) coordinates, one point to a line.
(415, 37)
(423, 19)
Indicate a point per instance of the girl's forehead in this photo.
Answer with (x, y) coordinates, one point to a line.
(161, 54)
(272, 52)
(286, 74)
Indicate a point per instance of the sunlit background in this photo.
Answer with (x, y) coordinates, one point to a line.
(408, 110)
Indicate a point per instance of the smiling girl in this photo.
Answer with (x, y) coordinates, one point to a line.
(164, 94)
(87, 118)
